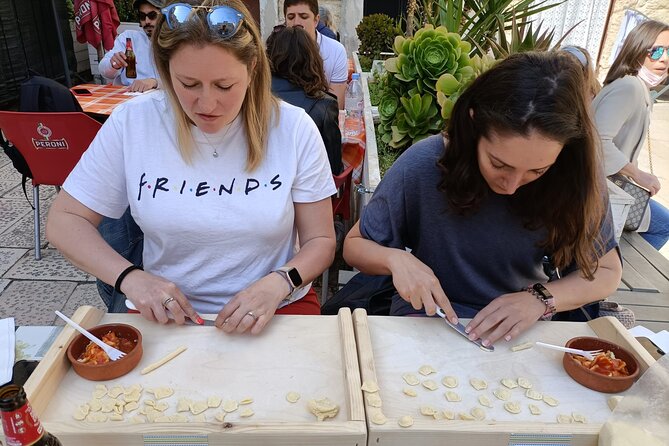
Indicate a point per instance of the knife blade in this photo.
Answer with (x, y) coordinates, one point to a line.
(461, 330)
(207, 322)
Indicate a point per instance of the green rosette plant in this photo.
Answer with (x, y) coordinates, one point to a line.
(421, 84)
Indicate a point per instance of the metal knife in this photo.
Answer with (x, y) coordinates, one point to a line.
(461, 329)
(207, 322)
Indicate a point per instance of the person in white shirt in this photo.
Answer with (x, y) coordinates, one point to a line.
(112, 66)
(227, 183)
(304, 13)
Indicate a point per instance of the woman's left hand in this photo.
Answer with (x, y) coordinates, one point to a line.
(505, 317)
(252, 308)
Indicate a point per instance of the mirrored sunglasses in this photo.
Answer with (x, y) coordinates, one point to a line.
(223, 20)
(153, 15)
(656, 52)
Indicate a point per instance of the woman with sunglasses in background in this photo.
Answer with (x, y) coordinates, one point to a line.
(113, 64)
(298, 78)
(622, 116)
(221, 177)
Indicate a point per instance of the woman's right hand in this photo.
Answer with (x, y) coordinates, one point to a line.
(647, 180)
(153, 296)
(416, 283)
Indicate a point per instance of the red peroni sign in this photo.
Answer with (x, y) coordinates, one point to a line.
(45, 142)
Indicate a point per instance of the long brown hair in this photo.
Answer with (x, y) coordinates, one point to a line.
(246, 45)
(635, 49)
(527, 92)
(591, 83)
(294, 56)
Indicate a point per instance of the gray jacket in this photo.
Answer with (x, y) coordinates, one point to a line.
(622, 115)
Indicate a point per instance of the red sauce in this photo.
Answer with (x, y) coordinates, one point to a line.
(94, 355)
(604, 363)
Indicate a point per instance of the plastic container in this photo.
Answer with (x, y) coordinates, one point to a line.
(354, 105)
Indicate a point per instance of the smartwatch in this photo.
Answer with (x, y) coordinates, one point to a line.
(291, 275)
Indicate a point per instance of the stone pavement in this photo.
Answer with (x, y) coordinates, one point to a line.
(31, 290)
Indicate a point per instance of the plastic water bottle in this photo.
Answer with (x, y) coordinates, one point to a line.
(354, 105)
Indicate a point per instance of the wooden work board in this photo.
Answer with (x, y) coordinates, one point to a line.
(389, 347)
(314, 356)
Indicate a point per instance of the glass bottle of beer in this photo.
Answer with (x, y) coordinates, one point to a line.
(130, 59)
(19, 422)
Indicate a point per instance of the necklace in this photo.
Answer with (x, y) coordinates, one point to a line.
(215, 154)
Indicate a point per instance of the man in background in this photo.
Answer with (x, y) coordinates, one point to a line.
(304, 13)
(112, 66)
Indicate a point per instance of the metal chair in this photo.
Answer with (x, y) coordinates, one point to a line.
(51, 144)
(341, 205)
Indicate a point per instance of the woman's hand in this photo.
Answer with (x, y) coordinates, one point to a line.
(505, 317)
(253, 307)
(153, 296)
(649, 181)
(416, 283)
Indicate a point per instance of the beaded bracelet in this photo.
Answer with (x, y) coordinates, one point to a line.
(539, 291)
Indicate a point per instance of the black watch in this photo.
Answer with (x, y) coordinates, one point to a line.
(292, 275)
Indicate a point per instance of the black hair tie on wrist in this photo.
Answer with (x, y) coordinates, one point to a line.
(125, 272)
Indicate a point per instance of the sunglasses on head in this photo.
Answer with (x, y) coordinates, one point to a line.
(278, 28)
(153, 15)
(223, 20)
(656, 52)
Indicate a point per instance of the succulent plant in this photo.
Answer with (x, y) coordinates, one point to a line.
(422, 82)
(375, 33)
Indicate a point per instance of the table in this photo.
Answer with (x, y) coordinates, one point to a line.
(645, 283)
(312, 355)
(103, 98)
(389, 347)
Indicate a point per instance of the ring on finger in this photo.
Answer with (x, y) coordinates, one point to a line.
(250, 313)
(167, 301)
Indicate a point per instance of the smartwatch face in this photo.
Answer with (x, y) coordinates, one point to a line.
(295, 277)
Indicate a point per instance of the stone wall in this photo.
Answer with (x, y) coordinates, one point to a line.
(654, 9)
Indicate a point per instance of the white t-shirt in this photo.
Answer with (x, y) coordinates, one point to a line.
(210, 227)
(141, 45)
(335, 62)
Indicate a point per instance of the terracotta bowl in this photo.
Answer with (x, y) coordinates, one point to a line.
(597, 381)
(111, 369)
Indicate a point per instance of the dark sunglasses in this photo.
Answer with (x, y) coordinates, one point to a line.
(656, 52)
(223, 20)
(153, 15)
(278, 28)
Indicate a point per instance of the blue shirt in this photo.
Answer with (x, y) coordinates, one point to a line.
(476, 257)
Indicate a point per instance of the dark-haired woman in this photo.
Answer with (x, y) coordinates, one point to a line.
(622, 116)
(298, 78)
(463, 220)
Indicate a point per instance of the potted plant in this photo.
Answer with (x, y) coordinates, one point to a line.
(376, 33)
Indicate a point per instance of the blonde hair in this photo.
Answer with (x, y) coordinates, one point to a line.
(259, 106)
(635, 49)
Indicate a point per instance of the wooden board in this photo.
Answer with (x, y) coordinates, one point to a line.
(312, 355)
(388, 347)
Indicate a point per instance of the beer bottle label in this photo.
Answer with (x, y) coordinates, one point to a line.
(21, 426)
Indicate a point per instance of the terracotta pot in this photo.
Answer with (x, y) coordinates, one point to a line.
(597, 381)
(111, 369)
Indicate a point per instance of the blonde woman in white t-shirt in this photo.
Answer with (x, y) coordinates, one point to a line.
(219, 175)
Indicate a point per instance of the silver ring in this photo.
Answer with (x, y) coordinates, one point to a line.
(250, 313)
(167, 301)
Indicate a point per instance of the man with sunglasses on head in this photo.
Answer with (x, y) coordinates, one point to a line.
(112, 66)
(304, 13)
